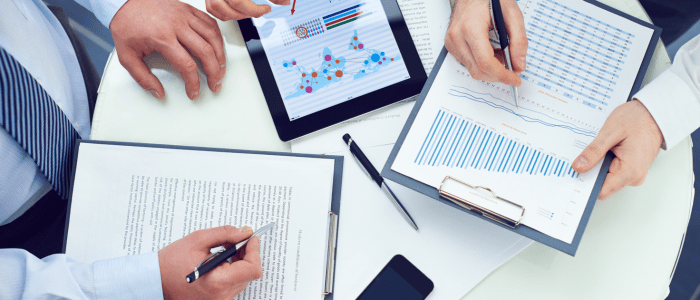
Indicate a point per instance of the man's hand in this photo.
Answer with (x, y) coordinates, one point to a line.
(174, 29)
(239, 9)
(631, 133)
(468, 40)
(223, 282)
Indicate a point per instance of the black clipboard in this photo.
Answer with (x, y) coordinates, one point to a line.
(533, 234)
(333, 214)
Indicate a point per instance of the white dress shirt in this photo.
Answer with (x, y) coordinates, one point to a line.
(35, 38)
(673, 98)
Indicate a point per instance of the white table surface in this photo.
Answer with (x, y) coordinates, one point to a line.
(630, 246)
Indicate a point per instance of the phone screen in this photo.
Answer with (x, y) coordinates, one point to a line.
(398, 280)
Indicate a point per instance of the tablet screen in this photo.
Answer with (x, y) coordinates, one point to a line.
(329, 52)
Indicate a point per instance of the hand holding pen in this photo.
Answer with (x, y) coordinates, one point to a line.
(223, 282)
(468, 40)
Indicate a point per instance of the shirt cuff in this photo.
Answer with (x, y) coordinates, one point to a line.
(128, 277)
(673, 106)
(105, 10)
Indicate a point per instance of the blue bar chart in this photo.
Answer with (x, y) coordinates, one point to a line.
(457, 143)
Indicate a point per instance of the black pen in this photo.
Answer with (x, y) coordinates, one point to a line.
(499, 26)
(372, 172)
(217, 258)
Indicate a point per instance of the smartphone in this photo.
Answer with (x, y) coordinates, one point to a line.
(399, 279)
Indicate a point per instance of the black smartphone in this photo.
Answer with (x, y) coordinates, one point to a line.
(399, 279)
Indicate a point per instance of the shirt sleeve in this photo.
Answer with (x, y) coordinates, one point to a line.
(23, 276)
(104, 10)
(673, 98)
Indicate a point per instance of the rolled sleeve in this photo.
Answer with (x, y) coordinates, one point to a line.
(104, 10)
(129, 277)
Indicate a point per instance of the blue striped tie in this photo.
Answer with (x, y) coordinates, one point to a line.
(33, 119)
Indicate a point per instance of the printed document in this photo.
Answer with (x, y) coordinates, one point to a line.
(131, 200)
(582, 63)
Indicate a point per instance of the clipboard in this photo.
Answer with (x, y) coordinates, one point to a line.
(510, 220)
(333, 213)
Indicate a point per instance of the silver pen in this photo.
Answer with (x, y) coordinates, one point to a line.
(369, 169)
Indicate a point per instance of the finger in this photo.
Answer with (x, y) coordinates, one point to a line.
(596, 150)
(214, 237)
(134, 64)
(222, 11)
(249, 268)
(458, 47)
(249, 8)
(517, 37)
(201, 49)
(183, 62)
(483, 53)
(209, 30)
(281, 2)
(617, 178)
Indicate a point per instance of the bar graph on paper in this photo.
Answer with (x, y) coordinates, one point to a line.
(457, 143)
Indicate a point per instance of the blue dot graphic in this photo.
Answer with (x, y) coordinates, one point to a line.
(366, 62)
(363, 71)
(285, 65)
(382, 53)
(375, 57)
(325, 70)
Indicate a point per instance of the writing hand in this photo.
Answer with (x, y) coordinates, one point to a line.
(239, 9)
(223, 282)
(468, 40)
(631, 133)
(174, 29)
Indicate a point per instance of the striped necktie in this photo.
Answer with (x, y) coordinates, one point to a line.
(35, 121)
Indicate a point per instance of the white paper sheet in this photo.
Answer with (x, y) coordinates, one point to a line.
(130, 200)
(427, 21)
(579, 69)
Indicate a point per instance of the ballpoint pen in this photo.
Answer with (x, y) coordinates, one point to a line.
(223, 254)
(369, 169)
(499, 27)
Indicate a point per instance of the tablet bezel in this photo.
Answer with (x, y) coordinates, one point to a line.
(288, 130)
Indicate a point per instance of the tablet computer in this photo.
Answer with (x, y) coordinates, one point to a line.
(331, 60)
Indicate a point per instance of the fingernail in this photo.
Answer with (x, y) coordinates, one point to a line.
(154, 93)
(194, 96)
(522, 62)
(246, 229)
(580, 162)
(217, 87)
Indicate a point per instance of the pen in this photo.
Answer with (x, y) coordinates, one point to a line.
(499, 26)
(223, 254)
(372, 173)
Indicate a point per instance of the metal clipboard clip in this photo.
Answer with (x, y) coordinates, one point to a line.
(330, 254)
(495, 208)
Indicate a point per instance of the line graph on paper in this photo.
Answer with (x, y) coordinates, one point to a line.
(526, 114)
(458, 143)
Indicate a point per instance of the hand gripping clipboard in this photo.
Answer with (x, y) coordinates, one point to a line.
(509, 213)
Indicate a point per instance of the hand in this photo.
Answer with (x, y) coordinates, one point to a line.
(239, 9)
(223, 282)
(172, 28)
(468, 40)
(631, 133)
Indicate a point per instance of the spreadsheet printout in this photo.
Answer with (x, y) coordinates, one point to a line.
(582, 63)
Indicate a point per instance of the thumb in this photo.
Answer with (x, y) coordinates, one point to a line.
(595, 151)
(517, 37)
(224, 235)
